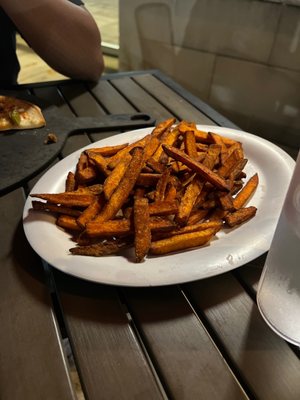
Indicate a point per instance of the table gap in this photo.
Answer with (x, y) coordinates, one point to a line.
(156, 99)
(218, 344)
(123, 95)
(63, 332)
(145, 348)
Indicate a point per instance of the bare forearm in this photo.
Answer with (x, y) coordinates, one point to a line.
(63, 34)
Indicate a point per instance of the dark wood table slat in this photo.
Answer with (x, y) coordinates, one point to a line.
(110, 98)
(140, 99)
(32, 363)
(174, 102)
(266, 362)
(52, 96)
(81, 101)
(108, 355)
(182, 352)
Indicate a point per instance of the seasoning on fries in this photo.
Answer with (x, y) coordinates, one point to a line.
(170, 191)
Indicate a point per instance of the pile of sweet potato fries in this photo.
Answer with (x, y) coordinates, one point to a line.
(174, 189)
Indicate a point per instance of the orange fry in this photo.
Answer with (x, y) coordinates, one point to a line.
(120, 195)
(200, 169)
(243, 196)
(71, 199)
(182, 242)
(240, 216)
(142, 230)
(114, 178)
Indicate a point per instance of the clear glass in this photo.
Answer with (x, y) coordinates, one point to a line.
(278, 294)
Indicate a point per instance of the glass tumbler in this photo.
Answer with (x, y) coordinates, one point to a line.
(278, 294)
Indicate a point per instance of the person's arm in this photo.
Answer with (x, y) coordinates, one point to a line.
(63, 34)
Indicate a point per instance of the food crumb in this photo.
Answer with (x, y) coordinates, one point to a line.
(51, 138)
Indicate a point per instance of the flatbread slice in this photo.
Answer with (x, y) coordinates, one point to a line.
(19, 114)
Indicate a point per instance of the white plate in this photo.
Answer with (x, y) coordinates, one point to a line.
(229, 250)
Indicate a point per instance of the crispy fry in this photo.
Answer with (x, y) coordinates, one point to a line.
(68, 222)
(188, 200)
(99, 161)
(142, 231)
(163, 208)
(91, 211)
(226, 202)
(85, 173)
(124, 227)
(182, 242)
(120, 195)
(70, 182)
(101, 249)
(114, 178)
(217, 225)
(41, 206)
(190, 144)
(148, 179)
(114, 227)
(169, 139)
(107, 151)
(200, 169)
(163, 126)
(243, 196)
(113, 161)
(240, 216)
(197, 216)
(71, 199)
(162, 185)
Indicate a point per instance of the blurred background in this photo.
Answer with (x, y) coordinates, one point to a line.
(242, 57)
(106, 14)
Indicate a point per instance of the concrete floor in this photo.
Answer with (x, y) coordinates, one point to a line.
(106, 14)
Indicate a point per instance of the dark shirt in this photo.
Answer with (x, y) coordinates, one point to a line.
(9, 65)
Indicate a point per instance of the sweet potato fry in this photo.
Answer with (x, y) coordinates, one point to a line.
(115, 227)
(200, 169)
(197, 216)
(70, 199)
(67, 222)
(240, 216)
(212, 156)
(114, 178)
(120, 195)
(169, 139)
(147, 179)
(228, 165)
(226, 202)
(70, 182)
(113, 161)
(41, 206)
(163, 208)
(142, 231)
(105, 248)
(190, 144)
(243, 196)
(163, 126)
(182, 242)
(91, 211)
(162, 185)
(217, 225)
(107, 151)
(188, 200)
(85, 173)
(99, 161)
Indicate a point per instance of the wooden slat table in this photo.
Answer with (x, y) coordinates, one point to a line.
(199, 340)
